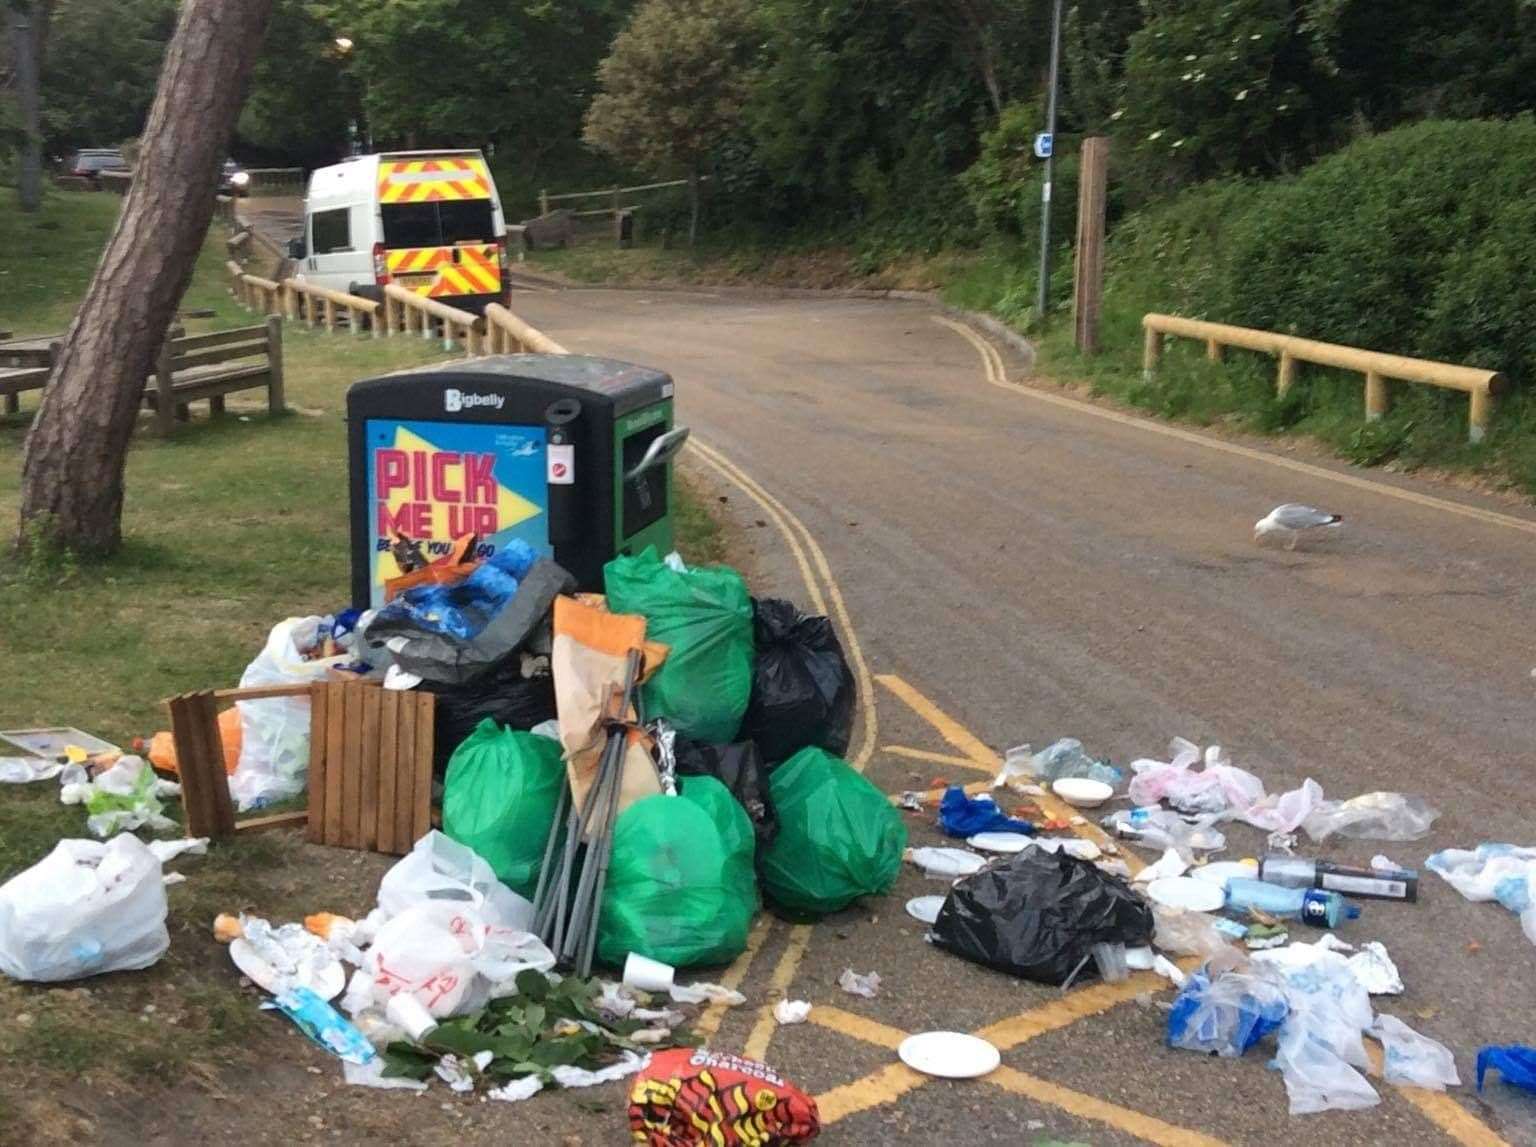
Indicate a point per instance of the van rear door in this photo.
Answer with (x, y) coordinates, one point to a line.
(439, 223)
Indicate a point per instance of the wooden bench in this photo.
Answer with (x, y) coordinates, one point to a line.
(196, 367)
(24, 365)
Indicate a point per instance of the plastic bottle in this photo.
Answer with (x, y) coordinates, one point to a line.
(1309, 905)
(1371, 883)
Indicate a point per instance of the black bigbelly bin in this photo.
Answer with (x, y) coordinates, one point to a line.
(571, 454)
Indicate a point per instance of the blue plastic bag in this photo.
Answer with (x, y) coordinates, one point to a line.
(1225, 1016)
(463, 610)
(1515, 1062)
(323, 1024)
(965, 816)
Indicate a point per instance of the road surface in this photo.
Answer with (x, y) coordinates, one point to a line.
(1017, 566)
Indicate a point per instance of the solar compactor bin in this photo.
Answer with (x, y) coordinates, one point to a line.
(571, 454)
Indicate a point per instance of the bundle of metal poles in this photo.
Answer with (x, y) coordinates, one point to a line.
(569, 897)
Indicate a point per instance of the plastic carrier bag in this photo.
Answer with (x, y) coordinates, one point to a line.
(84, 909)
(673, 891)
(274, 733)
(802, 689)
(441, 870)
(839, 837)
(705, 617)
(499, 799)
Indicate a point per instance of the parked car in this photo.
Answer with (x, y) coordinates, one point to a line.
(90, 162)
(233, 180)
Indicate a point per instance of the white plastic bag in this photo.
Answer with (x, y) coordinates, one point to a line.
(1501, 872)
(1321, 1043)
(122, 798)
(274, 744)
(439, 869)
(1220, 788)
(1372, 816)
(1284, 812)
(84, 909)
(1413, 1059)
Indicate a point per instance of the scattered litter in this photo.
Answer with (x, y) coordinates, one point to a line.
(1381, 863)
(1140, 958)
(1112, 963)
(1515, 1062)
(25, 770)
(323, 1024)
(964, 816)
(1188, 933)
(1075, 846)
(1163, 828)
(693, 1098)
(1263, 937)
(856, 984)
(1062, 759)
(1321, 1054)
(371, 1074)
(61, 743)
(911, 801)
(1373, 883)
(1169, 971)
(1228, 1013)
(791, 1011)
(1082, 792)
(1223, 871)
(646, 975)
(706, 993)
(1499, 872)
(1411, 1059)
(925, 909)
(946, 863)
(1281, 842)
(1004, 842)
(1219, 788)
(1372, 816)
(122, 798)
(1309, 905)
(84, 909)
(168, 850)
(278, 960)
(949, 1055)
(1170, 864)
(1038, 915)
(1187, 893)
(1284, 812)
(1375, 970)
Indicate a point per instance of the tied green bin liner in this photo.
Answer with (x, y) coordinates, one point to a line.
(499, 798)
(680, 885)
(705, 617)
(839, 837)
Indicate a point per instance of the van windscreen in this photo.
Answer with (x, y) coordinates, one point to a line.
(438, 224)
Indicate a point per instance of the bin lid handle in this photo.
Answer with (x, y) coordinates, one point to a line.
(661, 451)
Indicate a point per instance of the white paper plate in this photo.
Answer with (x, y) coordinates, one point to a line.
(1223, 871)
(1000, 841)
(1188, 893)
(925, 908)
(949, 1055)
(947, 861)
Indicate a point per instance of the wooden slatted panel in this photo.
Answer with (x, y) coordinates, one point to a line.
(200, 762)
(352, 767)
(389, 722)
(368, 826)
(193, 784)
(335, 738)
(217, 338)
(319, 696)
(405, 780)
(422, 766)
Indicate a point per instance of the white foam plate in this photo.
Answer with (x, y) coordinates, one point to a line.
(1187, 893)
(1223, 871)
(1081, 792)
(947, 861)
(949, 1055)
(1000, 841)
(925, 908)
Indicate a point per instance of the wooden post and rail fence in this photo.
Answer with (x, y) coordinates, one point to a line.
(400, 312)
(1482, 386)
(616, 208)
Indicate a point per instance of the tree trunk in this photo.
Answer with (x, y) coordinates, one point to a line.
(26, 38)
(693, 206)
(72, 470)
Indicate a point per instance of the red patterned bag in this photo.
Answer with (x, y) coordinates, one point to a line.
(697, 1098)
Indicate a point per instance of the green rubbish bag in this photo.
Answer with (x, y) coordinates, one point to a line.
(499, 798)
(674, 892)
(738, 840)
(839, 837)
(705, 616)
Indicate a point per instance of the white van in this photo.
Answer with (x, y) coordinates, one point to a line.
(428, 220)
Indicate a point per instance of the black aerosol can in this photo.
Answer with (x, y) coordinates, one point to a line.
(1366, 883)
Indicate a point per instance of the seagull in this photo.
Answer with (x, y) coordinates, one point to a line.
(1291, 521)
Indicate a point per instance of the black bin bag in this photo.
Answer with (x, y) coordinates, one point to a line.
(1039, 915)
(740, 769)
(802, 689)
(518, 693)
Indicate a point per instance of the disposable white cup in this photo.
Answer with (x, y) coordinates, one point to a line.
(406, 1011)
(647, 975)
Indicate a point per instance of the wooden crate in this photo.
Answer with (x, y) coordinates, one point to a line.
(370, 765)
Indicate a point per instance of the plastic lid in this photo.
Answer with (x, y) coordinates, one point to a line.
(1352, 911)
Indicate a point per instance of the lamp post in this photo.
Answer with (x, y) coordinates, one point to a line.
(1042, 299)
